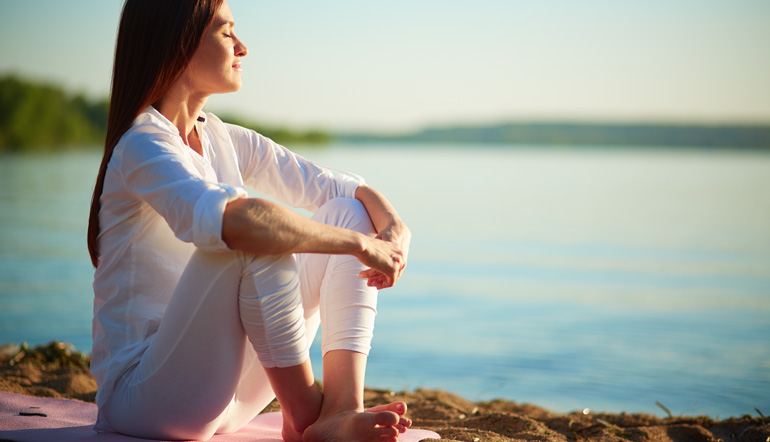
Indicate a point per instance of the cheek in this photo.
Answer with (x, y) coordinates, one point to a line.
(209, 52)
(206, 65)
(218, 59)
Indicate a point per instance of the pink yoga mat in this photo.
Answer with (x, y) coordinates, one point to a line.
(72, 421)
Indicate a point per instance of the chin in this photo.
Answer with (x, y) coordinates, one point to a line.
(232, 87)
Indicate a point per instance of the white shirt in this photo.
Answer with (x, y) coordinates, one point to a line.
(161, 200)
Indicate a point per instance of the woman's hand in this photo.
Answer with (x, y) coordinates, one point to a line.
(386, 255)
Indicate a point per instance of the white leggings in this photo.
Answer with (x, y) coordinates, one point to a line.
(231, 314)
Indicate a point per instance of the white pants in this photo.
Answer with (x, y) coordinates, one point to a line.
(231, 314)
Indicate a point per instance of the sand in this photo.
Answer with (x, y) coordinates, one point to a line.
(57, 371)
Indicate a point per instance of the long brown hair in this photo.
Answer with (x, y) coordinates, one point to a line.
(156, 40)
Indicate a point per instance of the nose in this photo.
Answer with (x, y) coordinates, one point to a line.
(240, 49)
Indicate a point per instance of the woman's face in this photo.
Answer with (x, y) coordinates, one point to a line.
(215, 67)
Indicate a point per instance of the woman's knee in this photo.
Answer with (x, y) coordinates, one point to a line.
(348, 213)
(271, 312)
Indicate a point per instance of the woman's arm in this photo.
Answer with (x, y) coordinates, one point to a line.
(390, 229)
(285, 176)
(262, 227)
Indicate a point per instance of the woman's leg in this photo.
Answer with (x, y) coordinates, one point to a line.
(346, 306)
(334, 295)
(201, 372)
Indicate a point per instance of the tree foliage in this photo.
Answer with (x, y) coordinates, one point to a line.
(37, 116)
(42, 117)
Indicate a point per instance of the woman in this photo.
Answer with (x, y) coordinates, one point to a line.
(205, 300)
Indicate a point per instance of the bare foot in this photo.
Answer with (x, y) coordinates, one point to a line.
(397, 407)
(356, 426)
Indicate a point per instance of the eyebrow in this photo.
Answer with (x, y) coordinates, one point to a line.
(225, 22)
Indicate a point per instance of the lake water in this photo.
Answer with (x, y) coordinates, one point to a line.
(606, 279)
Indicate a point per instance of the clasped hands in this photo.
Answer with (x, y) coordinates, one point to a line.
(386, 255)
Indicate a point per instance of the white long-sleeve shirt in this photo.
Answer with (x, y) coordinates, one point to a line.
(161, 200)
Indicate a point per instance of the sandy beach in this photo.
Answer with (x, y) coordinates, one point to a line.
(55, 370)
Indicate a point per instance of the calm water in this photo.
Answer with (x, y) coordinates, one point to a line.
(569, 278)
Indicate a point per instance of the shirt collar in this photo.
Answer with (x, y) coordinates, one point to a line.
(152, 113)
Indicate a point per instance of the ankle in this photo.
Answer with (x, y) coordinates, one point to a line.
(296, 424)
(343, 380)
(331, 407)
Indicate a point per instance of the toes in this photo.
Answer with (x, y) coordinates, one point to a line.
(388, 432)
(403, 424)
(380, 425)
(398, 407)
(386, 419)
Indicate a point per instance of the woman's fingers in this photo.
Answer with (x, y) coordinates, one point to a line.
(386, 260)
(376, 279)
(369, 274)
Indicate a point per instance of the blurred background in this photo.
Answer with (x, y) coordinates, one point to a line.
(586, 183)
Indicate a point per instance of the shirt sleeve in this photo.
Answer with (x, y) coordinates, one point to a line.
(275, 171)
(156, 172)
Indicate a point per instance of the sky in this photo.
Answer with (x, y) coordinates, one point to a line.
(401, 65)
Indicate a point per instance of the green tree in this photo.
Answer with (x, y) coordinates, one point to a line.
(42, 116)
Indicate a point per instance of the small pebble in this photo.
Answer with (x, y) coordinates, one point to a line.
(7, 351)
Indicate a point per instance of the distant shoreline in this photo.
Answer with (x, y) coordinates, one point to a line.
(42, 117)
(585, 134)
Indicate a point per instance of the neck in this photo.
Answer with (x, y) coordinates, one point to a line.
(182, 108)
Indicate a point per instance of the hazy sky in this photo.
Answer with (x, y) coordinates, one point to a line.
(404, 64)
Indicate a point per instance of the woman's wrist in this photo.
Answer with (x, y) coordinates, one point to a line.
(397, 231)
(359, 244)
